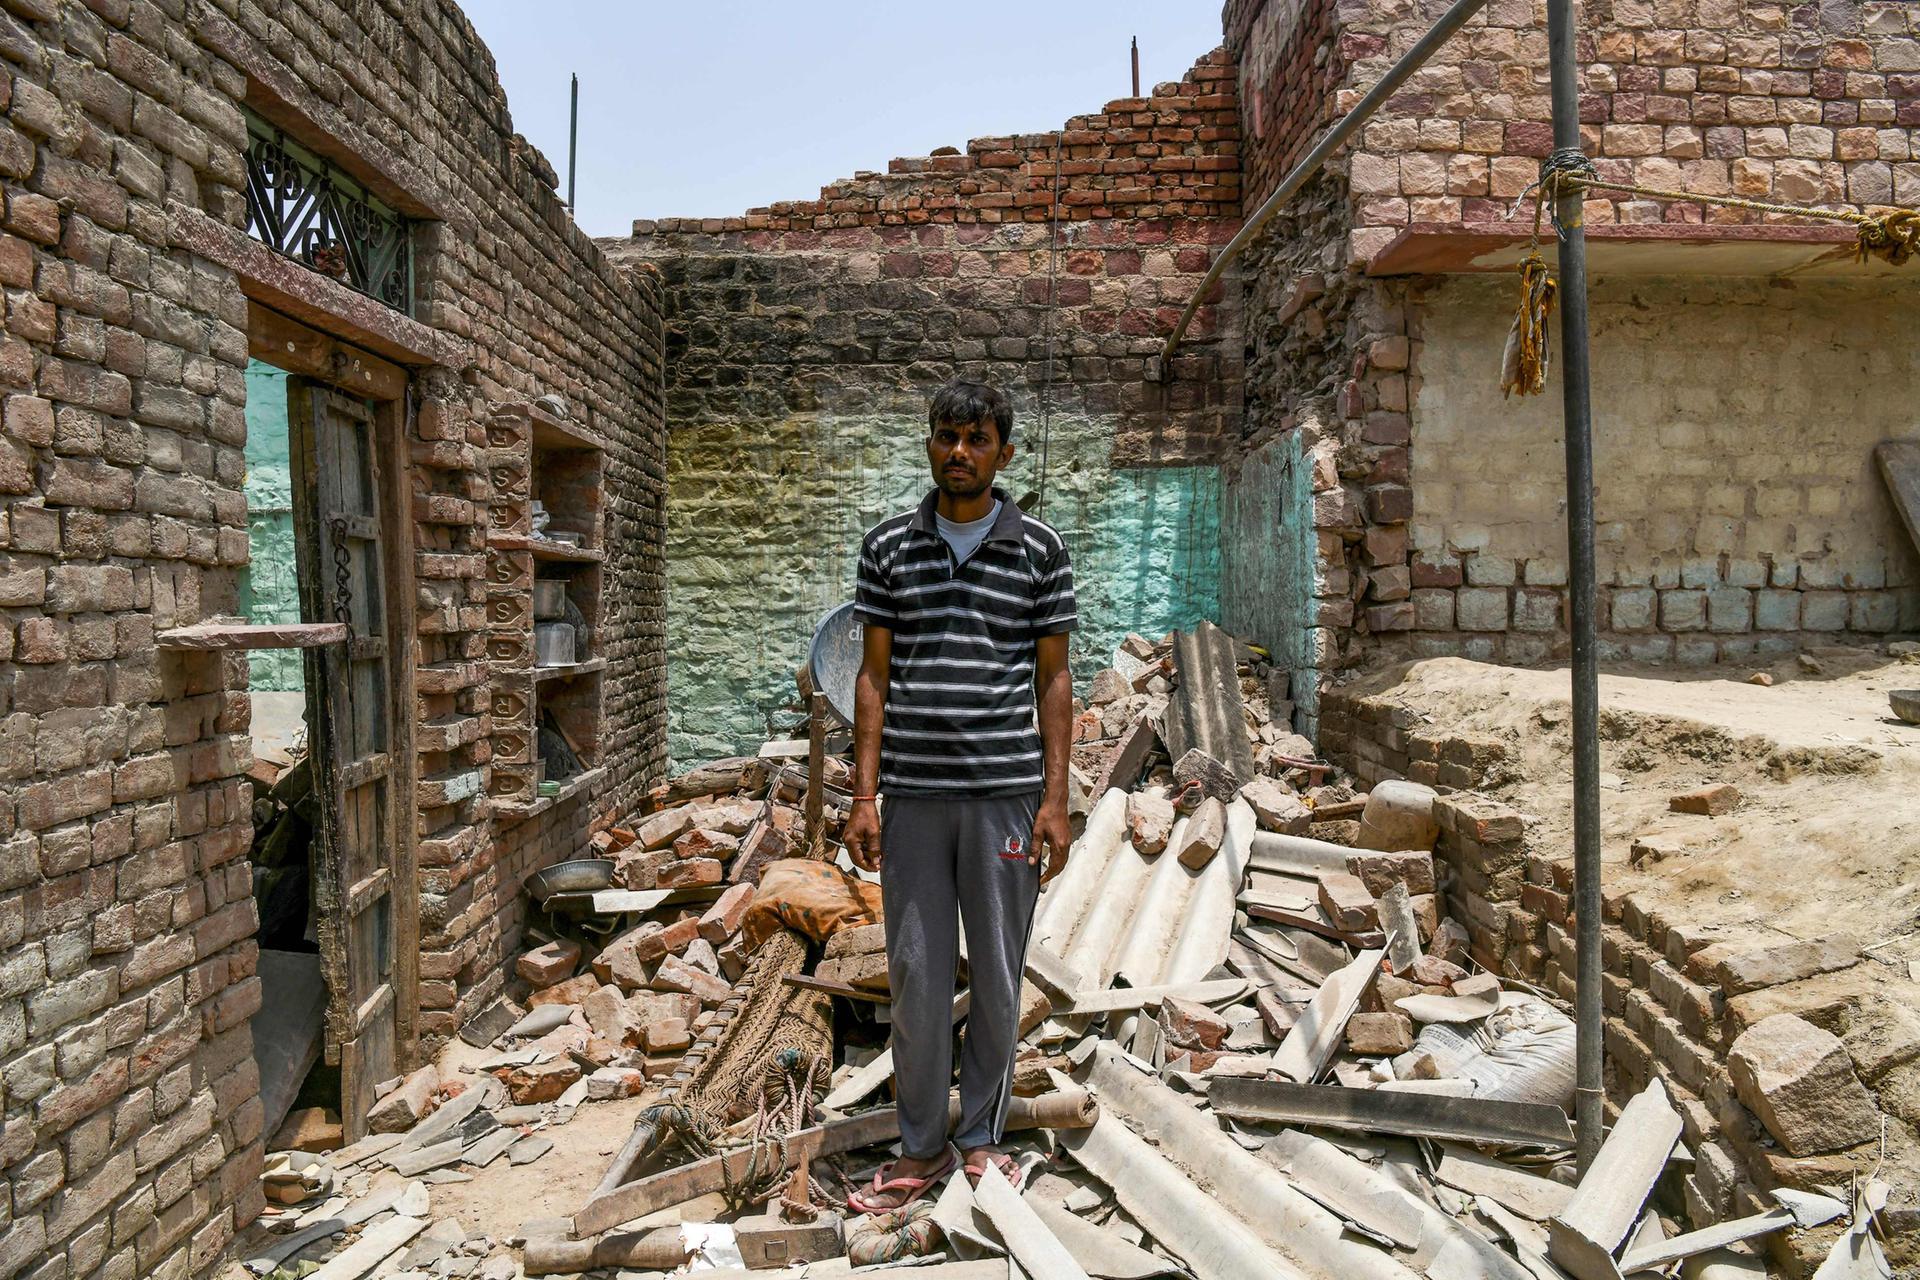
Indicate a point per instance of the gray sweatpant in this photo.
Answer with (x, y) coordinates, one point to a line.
(941, 860)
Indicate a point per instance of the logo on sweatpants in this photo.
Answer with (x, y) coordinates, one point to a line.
(1015, 849)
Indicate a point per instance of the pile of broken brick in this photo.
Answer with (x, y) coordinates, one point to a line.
(1252, 1045)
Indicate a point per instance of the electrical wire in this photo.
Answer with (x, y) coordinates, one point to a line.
(1046, 385)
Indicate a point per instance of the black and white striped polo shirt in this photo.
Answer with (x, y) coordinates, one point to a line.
(960, 697)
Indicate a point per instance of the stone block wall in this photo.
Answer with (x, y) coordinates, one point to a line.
(1739, 510)
(805, 337)
(131, 1127)
(1811, 103)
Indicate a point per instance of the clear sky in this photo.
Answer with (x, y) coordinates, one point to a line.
(705, 109)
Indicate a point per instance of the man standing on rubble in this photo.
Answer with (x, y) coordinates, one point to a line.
(966, 603)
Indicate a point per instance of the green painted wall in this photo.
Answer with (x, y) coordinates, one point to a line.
(764, 522)
(269, 589)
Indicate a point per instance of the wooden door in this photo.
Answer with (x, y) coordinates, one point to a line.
(338, 508)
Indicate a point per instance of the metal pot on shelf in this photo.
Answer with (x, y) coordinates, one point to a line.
(549, 597)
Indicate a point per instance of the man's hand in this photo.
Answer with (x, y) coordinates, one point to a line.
(862, 836)
(1052, 837)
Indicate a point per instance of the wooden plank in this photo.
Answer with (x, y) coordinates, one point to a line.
(1606, 1205)
(1126, 999)
(845, 991)
(1413, 1115)
(251, 635)
(816, 800)
(1311, 1042)
(1063, 1109)
(1313, 921)
(1900, 466)
(1037, 1250)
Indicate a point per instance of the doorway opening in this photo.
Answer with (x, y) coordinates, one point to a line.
(329, 859)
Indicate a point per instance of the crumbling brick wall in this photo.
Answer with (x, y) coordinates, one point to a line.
(1676, 992)
(131, 1136)
(1808, 103)
(803, 339)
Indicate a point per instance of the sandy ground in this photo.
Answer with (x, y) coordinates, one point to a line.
(502, 1197)
(1826, 839)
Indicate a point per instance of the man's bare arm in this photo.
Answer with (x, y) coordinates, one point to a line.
(1053, 689)
(862, 836)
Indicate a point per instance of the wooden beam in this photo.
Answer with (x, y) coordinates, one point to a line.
(285, 343)
(1065, 1109)
(216, 636)
(816, 811)
(845, 991)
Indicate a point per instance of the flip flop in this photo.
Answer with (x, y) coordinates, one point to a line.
(915, 1187)
(1001, 1160)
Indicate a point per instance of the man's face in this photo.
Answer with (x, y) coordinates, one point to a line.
(965, 457)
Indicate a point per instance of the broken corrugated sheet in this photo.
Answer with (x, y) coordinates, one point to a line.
(1176, 1030)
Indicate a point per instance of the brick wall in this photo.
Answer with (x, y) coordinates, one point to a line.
(804, 338)
(1289, 68)
(1382, 391)
(131, 1133)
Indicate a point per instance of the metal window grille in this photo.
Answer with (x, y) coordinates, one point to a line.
(300, 205)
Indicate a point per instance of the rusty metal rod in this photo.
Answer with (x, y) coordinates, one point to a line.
(1450, 21)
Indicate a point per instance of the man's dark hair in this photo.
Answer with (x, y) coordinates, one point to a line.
(961, 404)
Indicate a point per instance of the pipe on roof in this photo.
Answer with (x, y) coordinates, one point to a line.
(1450, 21)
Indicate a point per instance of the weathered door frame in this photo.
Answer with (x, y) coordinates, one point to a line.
(358, 375)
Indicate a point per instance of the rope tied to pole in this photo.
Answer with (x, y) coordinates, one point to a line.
(1888, 232)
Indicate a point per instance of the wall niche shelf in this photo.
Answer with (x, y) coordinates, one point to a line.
(547, 719)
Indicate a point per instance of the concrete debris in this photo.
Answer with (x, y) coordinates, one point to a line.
(1798, 1080)
(1238, 922)
(1398, 816)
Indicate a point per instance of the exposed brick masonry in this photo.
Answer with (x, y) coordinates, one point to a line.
(804, 337)
(131, 1137)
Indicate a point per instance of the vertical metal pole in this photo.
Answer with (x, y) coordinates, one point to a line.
(1136, 66)
(573, 139)
(1589, 1095)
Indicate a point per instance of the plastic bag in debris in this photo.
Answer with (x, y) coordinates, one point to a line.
(1521, 1053)
(815, 898)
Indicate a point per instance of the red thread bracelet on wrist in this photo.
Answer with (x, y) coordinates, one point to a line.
(858, 799)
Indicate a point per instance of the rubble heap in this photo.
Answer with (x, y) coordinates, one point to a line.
(1253, 1044)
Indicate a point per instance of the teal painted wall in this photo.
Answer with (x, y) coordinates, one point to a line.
(1267, 577)
(269, 589)
(764, 522)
